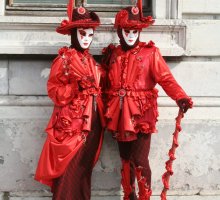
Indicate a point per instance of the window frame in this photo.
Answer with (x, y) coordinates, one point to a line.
(60, 9)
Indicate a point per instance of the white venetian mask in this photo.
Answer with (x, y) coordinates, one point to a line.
(85, 37)
(130, 36)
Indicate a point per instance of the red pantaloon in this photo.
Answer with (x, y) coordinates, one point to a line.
(137, 153)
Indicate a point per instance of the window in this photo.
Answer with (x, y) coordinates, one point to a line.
(58, 7)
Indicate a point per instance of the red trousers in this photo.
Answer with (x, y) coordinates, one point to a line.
(75, 183)
(137, 153)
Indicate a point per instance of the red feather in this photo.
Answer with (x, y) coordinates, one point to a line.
(70, 6)
(140, 7)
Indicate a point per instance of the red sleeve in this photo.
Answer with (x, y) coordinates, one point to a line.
(164, 77)
(60, 89)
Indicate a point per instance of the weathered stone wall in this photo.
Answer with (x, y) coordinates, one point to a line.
(23, 119)
(192, 47)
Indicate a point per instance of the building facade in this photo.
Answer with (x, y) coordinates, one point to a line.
(186, 31)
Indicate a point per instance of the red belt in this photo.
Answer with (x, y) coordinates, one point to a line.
(121, 92)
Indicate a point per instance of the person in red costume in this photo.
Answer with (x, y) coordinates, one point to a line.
(133, 70)
(75, 129)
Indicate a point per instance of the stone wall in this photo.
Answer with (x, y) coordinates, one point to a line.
(25, 112)
(192, 49)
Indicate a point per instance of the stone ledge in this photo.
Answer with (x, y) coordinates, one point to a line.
(36, 35)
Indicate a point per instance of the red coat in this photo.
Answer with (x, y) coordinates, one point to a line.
(132, 97)
(73, 86)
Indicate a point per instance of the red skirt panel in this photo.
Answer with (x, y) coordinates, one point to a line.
(75, 183)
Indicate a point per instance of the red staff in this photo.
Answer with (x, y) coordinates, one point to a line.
(169, 163)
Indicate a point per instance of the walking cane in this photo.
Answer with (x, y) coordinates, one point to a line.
(169, 163)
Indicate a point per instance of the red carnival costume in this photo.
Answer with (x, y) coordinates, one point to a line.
(75, 132)
(134, 68)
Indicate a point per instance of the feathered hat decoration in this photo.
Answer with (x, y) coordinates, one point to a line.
(79, 17)
(132, 17)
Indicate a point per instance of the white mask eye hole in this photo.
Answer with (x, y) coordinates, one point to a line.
(82, 33)
(135, 31)
(91, 35)
(127, 31)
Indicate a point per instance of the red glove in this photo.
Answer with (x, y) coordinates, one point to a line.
(184, 104)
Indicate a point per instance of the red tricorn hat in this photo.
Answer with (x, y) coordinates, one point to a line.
(132, 18)
(78, 18)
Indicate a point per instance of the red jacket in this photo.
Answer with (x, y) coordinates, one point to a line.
(132, 97)
(73, 86)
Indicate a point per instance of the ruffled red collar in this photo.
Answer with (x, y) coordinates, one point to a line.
(138, 47)
(134, 50)
(67, 51)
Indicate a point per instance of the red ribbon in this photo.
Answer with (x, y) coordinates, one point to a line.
(169, 163)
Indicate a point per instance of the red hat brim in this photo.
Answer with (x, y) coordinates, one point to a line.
(132, 24)
(122, 21)
(66, 26)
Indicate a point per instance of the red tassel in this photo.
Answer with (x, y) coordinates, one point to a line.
(169, 163)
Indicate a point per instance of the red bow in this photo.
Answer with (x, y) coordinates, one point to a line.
(64, 22)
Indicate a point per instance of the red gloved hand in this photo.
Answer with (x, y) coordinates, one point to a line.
(184, 104)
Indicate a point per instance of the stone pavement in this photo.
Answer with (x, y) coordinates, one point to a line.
(197, 197)
(14, 196)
